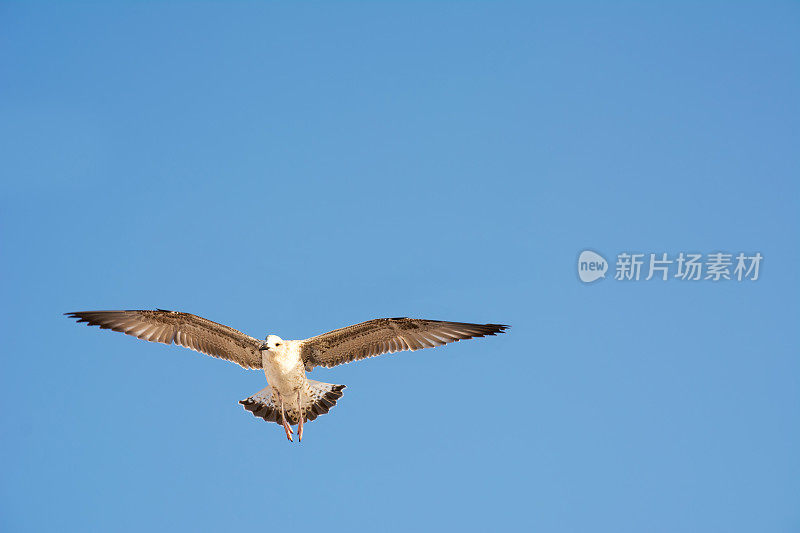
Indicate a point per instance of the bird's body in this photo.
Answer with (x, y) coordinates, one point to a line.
(290, 398)
(286, 375)
(284, 368)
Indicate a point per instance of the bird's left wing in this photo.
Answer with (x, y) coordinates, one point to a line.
(184, 329)
(387, 335)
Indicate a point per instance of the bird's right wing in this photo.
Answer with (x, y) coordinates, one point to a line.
(184, 329)
(387, 335)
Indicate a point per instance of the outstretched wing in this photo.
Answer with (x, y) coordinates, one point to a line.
(183, 329)
(387, 335)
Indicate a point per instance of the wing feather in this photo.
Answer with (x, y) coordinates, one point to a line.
(387, 335)
(183, 329)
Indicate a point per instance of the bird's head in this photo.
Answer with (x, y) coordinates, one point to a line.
(272, 342)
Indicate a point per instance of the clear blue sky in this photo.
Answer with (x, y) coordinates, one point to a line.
(291, 169)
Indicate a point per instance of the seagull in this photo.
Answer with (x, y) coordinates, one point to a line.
(289, 398)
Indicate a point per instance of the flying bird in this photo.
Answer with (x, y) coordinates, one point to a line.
(289, 398)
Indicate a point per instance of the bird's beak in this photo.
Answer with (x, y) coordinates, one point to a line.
(263, 347)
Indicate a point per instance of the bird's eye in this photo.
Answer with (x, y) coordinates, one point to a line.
(277, 344)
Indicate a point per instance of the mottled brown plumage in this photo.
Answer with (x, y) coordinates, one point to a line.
(290, 398)
(184, 329)
(387, 335)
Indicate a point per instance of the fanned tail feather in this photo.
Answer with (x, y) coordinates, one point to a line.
(318, 399)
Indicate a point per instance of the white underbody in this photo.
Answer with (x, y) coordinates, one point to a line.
(285, 371)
